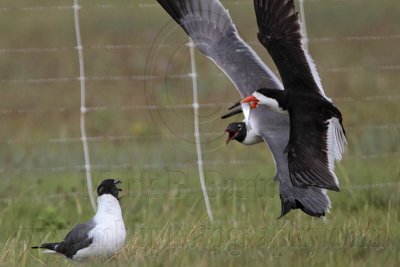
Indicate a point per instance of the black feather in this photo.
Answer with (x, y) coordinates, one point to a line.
(74, 241)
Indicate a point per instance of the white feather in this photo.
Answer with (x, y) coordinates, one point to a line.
(336, 141)
(246, 112)
(325, 193)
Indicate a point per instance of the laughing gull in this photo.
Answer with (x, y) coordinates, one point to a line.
(241, 132)
(317, 137)
(102, 236)
(211, 28)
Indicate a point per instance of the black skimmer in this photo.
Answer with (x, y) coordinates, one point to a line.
(211, 28)
(317, 137)
(102, 236)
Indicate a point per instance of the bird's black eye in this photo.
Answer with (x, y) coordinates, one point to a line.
(239, 126)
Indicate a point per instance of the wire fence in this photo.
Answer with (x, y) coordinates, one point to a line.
(179, 192)
(173, 166)
(119, 138)
(82, 79)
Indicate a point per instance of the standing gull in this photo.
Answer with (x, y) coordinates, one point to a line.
(102, 236)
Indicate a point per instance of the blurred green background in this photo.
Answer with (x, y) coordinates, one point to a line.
(140, 125)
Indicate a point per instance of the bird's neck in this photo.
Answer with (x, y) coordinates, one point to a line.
(108, 205)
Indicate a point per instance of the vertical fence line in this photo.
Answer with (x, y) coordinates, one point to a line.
(193, 75)
(83, 110)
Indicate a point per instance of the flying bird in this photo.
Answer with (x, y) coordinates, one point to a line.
(211, 28)
(317, 137)
(102, 236)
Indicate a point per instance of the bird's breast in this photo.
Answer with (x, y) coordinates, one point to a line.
(252, 138)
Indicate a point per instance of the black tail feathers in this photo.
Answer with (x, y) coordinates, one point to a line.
(51, 246)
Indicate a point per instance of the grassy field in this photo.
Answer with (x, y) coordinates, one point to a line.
(152, 150)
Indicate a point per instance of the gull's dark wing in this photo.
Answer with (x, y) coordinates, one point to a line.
(210, 26)
(280, 33)
(78, 238)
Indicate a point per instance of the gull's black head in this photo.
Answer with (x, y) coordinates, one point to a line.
(109, 186)
(236, 131)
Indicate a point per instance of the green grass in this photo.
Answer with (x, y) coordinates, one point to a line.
(169, 227)
(43, 191)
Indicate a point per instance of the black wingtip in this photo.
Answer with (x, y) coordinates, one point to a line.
(331, 187)
(286, 206)
(336, 189)
(50, 246)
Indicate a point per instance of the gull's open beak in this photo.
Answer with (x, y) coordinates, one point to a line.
(231, 135)
(252, 100)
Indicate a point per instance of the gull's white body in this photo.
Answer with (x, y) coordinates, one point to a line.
(109, 234)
